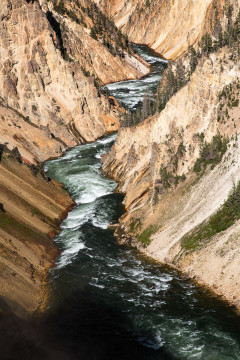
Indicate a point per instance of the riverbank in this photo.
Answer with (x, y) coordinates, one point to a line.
(190, 268)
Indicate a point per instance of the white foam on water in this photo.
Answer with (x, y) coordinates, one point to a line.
(107, 140)
(118, 277)
(86, 198)
(69, 255)
(95, 282)
(152, 79)
(97, 285)
(100, 223)
(77, 218)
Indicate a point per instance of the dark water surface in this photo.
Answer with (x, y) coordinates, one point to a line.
(110, 302)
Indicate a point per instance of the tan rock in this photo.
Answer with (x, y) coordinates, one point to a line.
(169, 27)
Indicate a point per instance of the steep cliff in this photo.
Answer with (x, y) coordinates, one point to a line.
(48, 83)
(31, 210)
(90, 38)
(169, 27)
(177, 170)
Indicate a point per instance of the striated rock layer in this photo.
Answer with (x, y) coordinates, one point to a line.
(50, 72)
(31, 210)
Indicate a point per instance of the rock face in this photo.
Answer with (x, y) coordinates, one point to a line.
(45, 82)
(101, 54)
(151, 161)
(169, 27)
(34, 144)
(31, 212)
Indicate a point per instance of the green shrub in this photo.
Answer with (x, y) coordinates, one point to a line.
(135, 225)
(235, 103)
(211, 153)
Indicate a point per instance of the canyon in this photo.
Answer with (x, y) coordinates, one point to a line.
(52, 68)
(119, 179)
(168, 200)
(168, 27)
(31, 210)
(51, 71)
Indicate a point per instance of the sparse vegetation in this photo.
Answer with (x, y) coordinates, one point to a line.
(177, 74)
(211, 153)
(145, 236)
(222, 220)
(135, 225)
(13, 227)
(103, 28)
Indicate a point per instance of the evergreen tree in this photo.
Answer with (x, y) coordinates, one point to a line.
(193, 59)
(146, 109)
(180, 75)
(93, 33)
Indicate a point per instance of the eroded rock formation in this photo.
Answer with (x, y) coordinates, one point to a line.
(50, 72)
(44, 81)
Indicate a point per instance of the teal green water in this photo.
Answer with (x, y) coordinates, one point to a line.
(110, 302)
(130, 93)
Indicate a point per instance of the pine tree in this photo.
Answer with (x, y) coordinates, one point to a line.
(180, 75)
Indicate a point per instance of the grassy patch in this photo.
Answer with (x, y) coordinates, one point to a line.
(145, 236)
(43, 217)
(222, 220)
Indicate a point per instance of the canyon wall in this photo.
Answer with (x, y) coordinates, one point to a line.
(48, 84)
(166, 200)
(54, 56)
(168, 27)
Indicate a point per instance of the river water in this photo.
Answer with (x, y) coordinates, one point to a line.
(130, 93)
(109, 301)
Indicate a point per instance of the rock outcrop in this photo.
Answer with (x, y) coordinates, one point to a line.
(92, 40)
(50, 100)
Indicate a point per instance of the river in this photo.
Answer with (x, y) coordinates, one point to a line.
(109, 301)
(130, 93)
